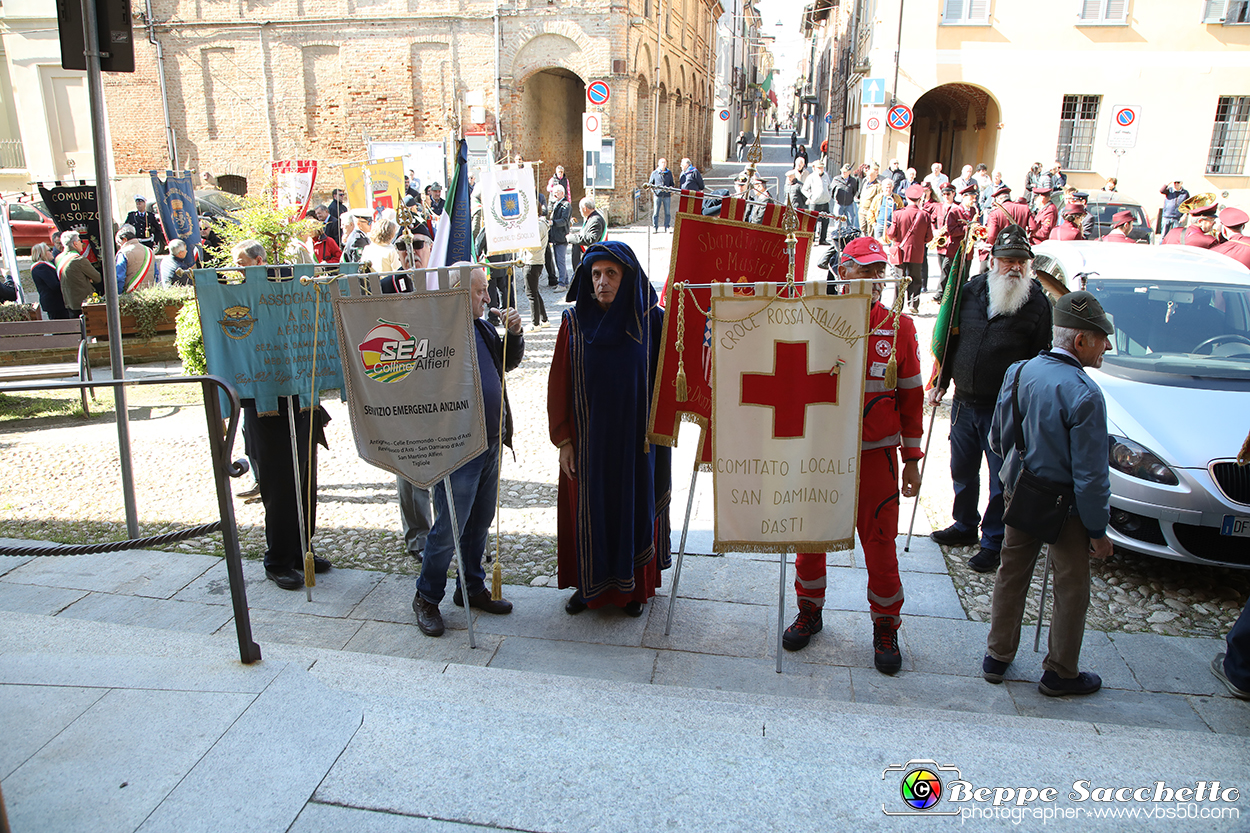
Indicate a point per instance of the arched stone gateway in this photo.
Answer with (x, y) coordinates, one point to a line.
(955, 124)
(552, 101)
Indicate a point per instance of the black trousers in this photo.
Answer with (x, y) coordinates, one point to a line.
(268, 442)
(538, 311)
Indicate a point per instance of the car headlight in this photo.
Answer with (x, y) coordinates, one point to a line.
(1130, 458)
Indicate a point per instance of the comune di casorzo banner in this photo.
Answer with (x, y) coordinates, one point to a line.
(413, 390)
(788, 393)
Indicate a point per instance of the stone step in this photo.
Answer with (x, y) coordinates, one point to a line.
(367, 742)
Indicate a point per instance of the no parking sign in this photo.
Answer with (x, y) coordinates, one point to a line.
(724, 115)
(1124, 121)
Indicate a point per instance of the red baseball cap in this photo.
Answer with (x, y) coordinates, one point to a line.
(863, 250)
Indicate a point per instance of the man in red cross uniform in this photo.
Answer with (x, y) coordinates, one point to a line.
(892, 418)
(1199, 232)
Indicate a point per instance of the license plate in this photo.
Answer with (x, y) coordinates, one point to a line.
(1236, 525)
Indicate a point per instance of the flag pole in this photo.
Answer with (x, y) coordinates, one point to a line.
(964, 264)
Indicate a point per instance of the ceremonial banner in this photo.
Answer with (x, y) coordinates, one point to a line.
(74, 207)
(509, 208)
(413, 389)
(377, 184)
(453, 239)
(293, 181)
(259, 335)
(788, 377)
(175, 199)
(723, 247)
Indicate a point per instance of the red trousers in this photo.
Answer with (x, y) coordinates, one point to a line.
(877, 525)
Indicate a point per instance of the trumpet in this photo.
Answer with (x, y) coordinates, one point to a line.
(1197, 202)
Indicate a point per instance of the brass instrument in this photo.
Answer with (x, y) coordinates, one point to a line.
(978, 231)
(941, 239)
(1198, 202)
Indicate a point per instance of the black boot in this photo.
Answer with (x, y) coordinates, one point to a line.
(808, 622)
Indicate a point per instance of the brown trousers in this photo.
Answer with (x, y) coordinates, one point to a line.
(1069, 559)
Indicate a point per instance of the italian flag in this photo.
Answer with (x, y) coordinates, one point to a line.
(145, 269)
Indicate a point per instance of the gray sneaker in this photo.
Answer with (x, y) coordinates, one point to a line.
(1217, 668)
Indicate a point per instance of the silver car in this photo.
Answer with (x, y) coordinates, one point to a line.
(1177, 386)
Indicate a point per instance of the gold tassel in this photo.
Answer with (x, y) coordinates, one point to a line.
(496, 581)
(891, 373)
(310, 570)
(680, 382)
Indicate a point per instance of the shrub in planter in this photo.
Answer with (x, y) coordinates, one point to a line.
(190, 340)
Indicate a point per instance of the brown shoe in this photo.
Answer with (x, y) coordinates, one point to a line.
(429, 620)
(483, 601)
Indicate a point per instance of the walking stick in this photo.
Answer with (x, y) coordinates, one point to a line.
(924, 462)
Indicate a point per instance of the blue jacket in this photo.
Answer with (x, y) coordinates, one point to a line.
(1064, 420)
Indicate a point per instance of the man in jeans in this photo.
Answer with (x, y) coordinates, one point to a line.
(475, 484)
(817, 193)
(1063, 420)
(845, 187)
(661, 178)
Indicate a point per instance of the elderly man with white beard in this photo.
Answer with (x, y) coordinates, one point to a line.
(1004, 317)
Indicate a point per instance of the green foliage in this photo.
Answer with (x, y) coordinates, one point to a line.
(190, 340)
(16, 312)
(148, 305)
(259, 220)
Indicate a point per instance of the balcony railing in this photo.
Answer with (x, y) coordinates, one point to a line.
(11, 154)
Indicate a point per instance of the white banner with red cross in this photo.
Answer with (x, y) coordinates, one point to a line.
(788, 393)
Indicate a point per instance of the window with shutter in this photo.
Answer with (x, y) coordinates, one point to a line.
(1214, 11)
(966, 12)
(1103, 11)
(1238, 12)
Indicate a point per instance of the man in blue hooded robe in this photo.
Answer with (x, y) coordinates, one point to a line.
(613, 525)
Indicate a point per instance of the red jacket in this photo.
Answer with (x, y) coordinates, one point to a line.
(952, 216)
(326, 250)
(893, 417)
(1001, 215)
(1066, 231)
(1190, 236)
(1040, 225)
(911, 228)
(1237, 247)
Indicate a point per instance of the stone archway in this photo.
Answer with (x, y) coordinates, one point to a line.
(955, 124)
(552, 102)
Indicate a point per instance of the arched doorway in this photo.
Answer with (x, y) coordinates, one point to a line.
(552, 103)
(955, 124)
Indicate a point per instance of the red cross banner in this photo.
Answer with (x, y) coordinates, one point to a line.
(788, 393)
(740, 242)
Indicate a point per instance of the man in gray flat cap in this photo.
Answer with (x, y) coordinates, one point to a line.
(1063, 421)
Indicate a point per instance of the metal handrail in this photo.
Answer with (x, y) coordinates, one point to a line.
(220, 443)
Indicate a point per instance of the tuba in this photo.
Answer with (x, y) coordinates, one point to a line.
(1197, 202)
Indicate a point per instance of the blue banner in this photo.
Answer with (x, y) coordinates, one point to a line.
(259, 334)
(175, 199)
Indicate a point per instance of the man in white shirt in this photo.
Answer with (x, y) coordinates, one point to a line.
(936, 179)
(818, 193)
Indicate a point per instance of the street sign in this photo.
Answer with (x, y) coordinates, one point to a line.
(872, 121)
(724, 115)
(597, 92)
(592, 131)
(899, 117)
(828, 118)
(1124, 121)
(873, 91)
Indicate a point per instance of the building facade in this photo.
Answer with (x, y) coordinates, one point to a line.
(245, 82)
(742, 63)
(1012, 82)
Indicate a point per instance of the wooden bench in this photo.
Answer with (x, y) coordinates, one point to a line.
(19, 336)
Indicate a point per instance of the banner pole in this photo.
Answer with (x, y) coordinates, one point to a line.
(681, 549)
(781, 607)
(455, 540)
(924, 462)
(299, 500)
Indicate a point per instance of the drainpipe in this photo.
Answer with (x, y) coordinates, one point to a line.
(659, 44)
(498, 99)
(898, 45)
(170, 142)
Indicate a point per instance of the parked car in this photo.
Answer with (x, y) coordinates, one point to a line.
(216, 205)
(30, 225)
(1103, 205)
(1177, 386)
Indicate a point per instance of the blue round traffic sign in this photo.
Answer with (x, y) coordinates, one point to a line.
(829, 118)
(724, 115)
(1125, 116)
(899, 117)
(598, 92)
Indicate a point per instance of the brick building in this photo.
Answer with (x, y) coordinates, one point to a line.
(248, 81)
